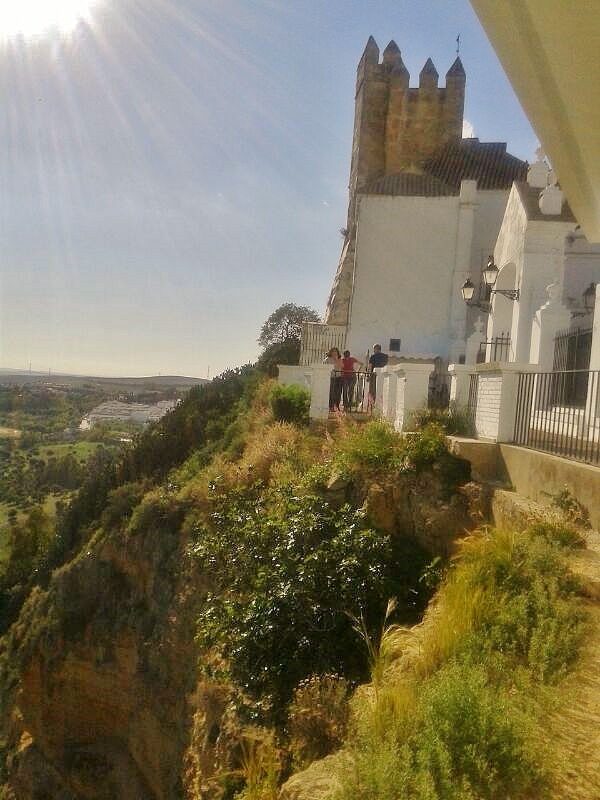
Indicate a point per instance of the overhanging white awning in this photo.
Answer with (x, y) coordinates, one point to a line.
(550, 51)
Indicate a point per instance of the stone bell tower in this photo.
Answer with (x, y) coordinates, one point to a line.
(396, 129)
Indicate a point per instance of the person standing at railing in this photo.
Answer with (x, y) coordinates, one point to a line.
(378, 359)
(348, 379)
(335, 387)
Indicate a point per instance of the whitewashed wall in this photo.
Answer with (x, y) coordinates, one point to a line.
(531, 255)
(487, 417)
(412, 256)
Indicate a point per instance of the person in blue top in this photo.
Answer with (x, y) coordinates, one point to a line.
(378, 359)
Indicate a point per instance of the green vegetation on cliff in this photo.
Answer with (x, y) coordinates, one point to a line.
(196, 607)
(463, 711)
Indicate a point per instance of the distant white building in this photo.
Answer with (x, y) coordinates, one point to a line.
(139, 413)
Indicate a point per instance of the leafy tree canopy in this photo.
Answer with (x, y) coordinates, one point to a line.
(285, 323)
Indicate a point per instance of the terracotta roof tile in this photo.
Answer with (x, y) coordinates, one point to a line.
(408, 184)
(486, 162)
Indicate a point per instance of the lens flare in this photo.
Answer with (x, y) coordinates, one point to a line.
(36, 17)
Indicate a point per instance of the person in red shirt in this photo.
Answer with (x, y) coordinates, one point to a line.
(348, 379)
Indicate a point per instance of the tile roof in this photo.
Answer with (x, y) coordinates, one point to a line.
(488, 163)
(409, 184)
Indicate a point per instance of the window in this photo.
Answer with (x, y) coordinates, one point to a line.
(395, 345)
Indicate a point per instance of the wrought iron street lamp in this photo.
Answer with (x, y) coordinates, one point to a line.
(589, 301)
(489, 277)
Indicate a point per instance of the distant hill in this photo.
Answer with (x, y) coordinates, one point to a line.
(11, 377)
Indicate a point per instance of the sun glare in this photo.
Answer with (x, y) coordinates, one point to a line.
(36, 17)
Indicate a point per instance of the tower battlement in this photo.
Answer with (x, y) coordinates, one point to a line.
(397, 128)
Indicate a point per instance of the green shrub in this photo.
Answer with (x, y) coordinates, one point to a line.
(158, 511)
(472, 741)
(458, 736)
(285, 571)
(453, 420)
(574, 511)
(374, 444)
(506, 619)
(511, 599)
(425, 447)
(565, 534)
(290, 403)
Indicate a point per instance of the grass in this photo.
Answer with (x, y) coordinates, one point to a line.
(462, 716)
(4, 537)
(81, 450)
(9, 433)
(385, 647)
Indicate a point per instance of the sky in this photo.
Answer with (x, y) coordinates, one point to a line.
(172, 171)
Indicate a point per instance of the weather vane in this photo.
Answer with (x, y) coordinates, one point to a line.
(458, 44)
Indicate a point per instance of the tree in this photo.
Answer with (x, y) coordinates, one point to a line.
(285, 324)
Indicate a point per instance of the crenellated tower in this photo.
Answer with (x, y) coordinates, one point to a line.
(398, 128)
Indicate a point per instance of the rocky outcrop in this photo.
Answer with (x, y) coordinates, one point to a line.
(318, 782)
(100, 687)
(98, 670)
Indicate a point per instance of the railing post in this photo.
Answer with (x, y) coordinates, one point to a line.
(593, 398)
(320, 376)
(497, 400)
(416, 386)
(378, 400)
(548, 320)
(460, 378)
(389, 390)
(316, 378)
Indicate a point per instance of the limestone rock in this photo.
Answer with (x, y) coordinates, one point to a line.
(319, 781)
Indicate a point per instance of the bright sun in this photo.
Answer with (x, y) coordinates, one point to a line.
(34, 17)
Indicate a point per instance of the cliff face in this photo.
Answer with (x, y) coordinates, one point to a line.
(100, 687)
(98, 670)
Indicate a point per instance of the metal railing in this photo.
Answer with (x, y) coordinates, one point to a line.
(547, 419)
(498, 349)
(352, 393)
(572, 349)
(473, 400)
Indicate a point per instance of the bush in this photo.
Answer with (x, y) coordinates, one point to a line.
(374, 445)
(453, 420)
(290, 404)
(564, 534)
(425, 447)
(286, 570)
(507, 619)
(511, 599)
(454, 737)
(472, 742)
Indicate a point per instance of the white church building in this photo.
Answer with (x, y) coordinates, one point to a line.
(427, 211)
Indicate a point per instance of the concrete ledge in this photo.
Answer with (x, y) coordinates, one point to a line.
(512, 510)
(534, 475)
(540, 476)
(486, 464)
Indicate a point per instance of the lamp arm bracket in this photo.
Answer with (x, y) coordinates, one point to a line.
(513, 294)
